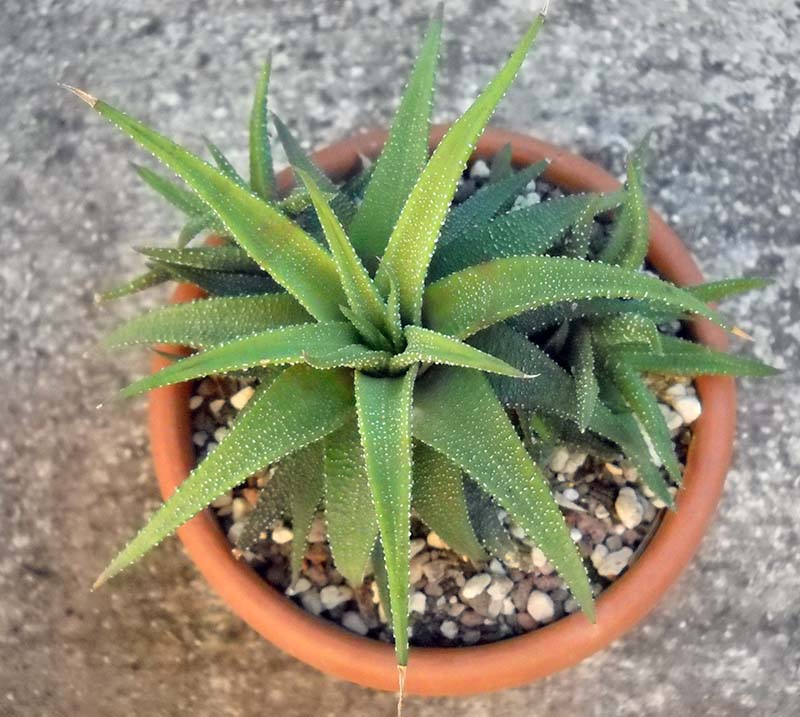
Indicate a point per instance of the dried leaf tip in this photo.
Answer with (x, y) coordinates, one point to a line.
(741, 333)
(401, 683)
(85, 96)
(545, 8)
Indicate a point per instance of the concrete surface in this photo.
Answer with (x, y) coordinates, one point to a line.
(717, 81)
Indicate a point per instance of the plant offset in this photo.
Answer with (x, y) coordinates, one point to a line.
(413, 354)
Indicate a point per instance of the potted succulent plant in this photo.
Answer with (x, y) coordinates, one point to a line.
(404, 346)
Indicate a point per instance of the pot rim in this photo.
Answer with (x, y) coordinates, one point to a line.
(513, 661)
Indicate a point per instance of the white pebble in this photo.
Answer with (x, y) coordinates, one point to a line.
(628, 507)
(601, 512)
(494, 609)
(240, 398)
(416, 546)
(614, 563)
(241, 509)
(222, 501)
(538, 558)
(334, 595)
(508, 606)
(199, 438)
(673, 419)
(436, 542)
(311, 602)
(540, 606)
(558, 459)
(575, 534)
(195, 402)
(570, 605)
(282, 535)
(449, 629)
(496, 567)
(676, 391)
(475, 585)
(216, 405)
(300, 586)
(517, 531)
(479, 170)
(689, 408)
(571, 494)
(598, 555)
(417, 602)
(500, 587)
(575, 461)
(220, 434)
(354, 622)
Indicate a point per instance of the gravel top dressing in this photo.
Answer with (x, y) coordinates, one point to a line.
(454, 602)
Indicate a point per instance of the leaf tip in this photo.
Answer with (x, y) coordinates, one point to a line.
(545, 7)
(401, 687)
(85, 96)
(741, 333)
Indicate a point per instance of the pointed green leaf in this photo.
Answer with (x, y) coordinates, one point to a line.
(579, 240)
(262, 177)
(719, 290)
(478, 210)
(227, 257)
(583, 370)
(413, 238)
(457, 413)
(425, 346)
(280, 247)
(687, 358)
(404, 155)
(645, 408)
(188, 202)
(208, 322)
(303, 470)
(367, 330)
(355, 356)
(349, 510)
(437, 496)
(627, 329)
(471, 299)
(272, 504)
(219, 283)
(196, 225)
(501, 167)
(361, 293)
(299, 159)
(394, 324)
(286, 345)
(301, 406)
(383, 406)
(489, 529)
(224, 163)
(532, 230)
(556, 395)
(151, 278)
(630, 236)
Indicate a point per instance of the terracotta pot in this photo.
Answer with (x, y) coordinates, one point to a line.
(518, 660)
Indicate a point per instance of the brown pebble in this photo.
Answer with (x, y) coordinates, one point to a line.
(525, 621)
(317, 576)
(317, 553)
(591, 526)
(630, 537)
(435, 570)
(250, 495)
(470, 618)
(547, 583)
(520, 594)
(480, 604)
(433, 590)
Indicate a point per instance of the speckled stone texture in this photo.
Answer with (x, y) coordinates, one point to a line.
(718, 82)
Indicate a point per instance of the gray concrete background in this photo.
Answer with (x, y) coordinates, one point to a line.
(718, 82)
